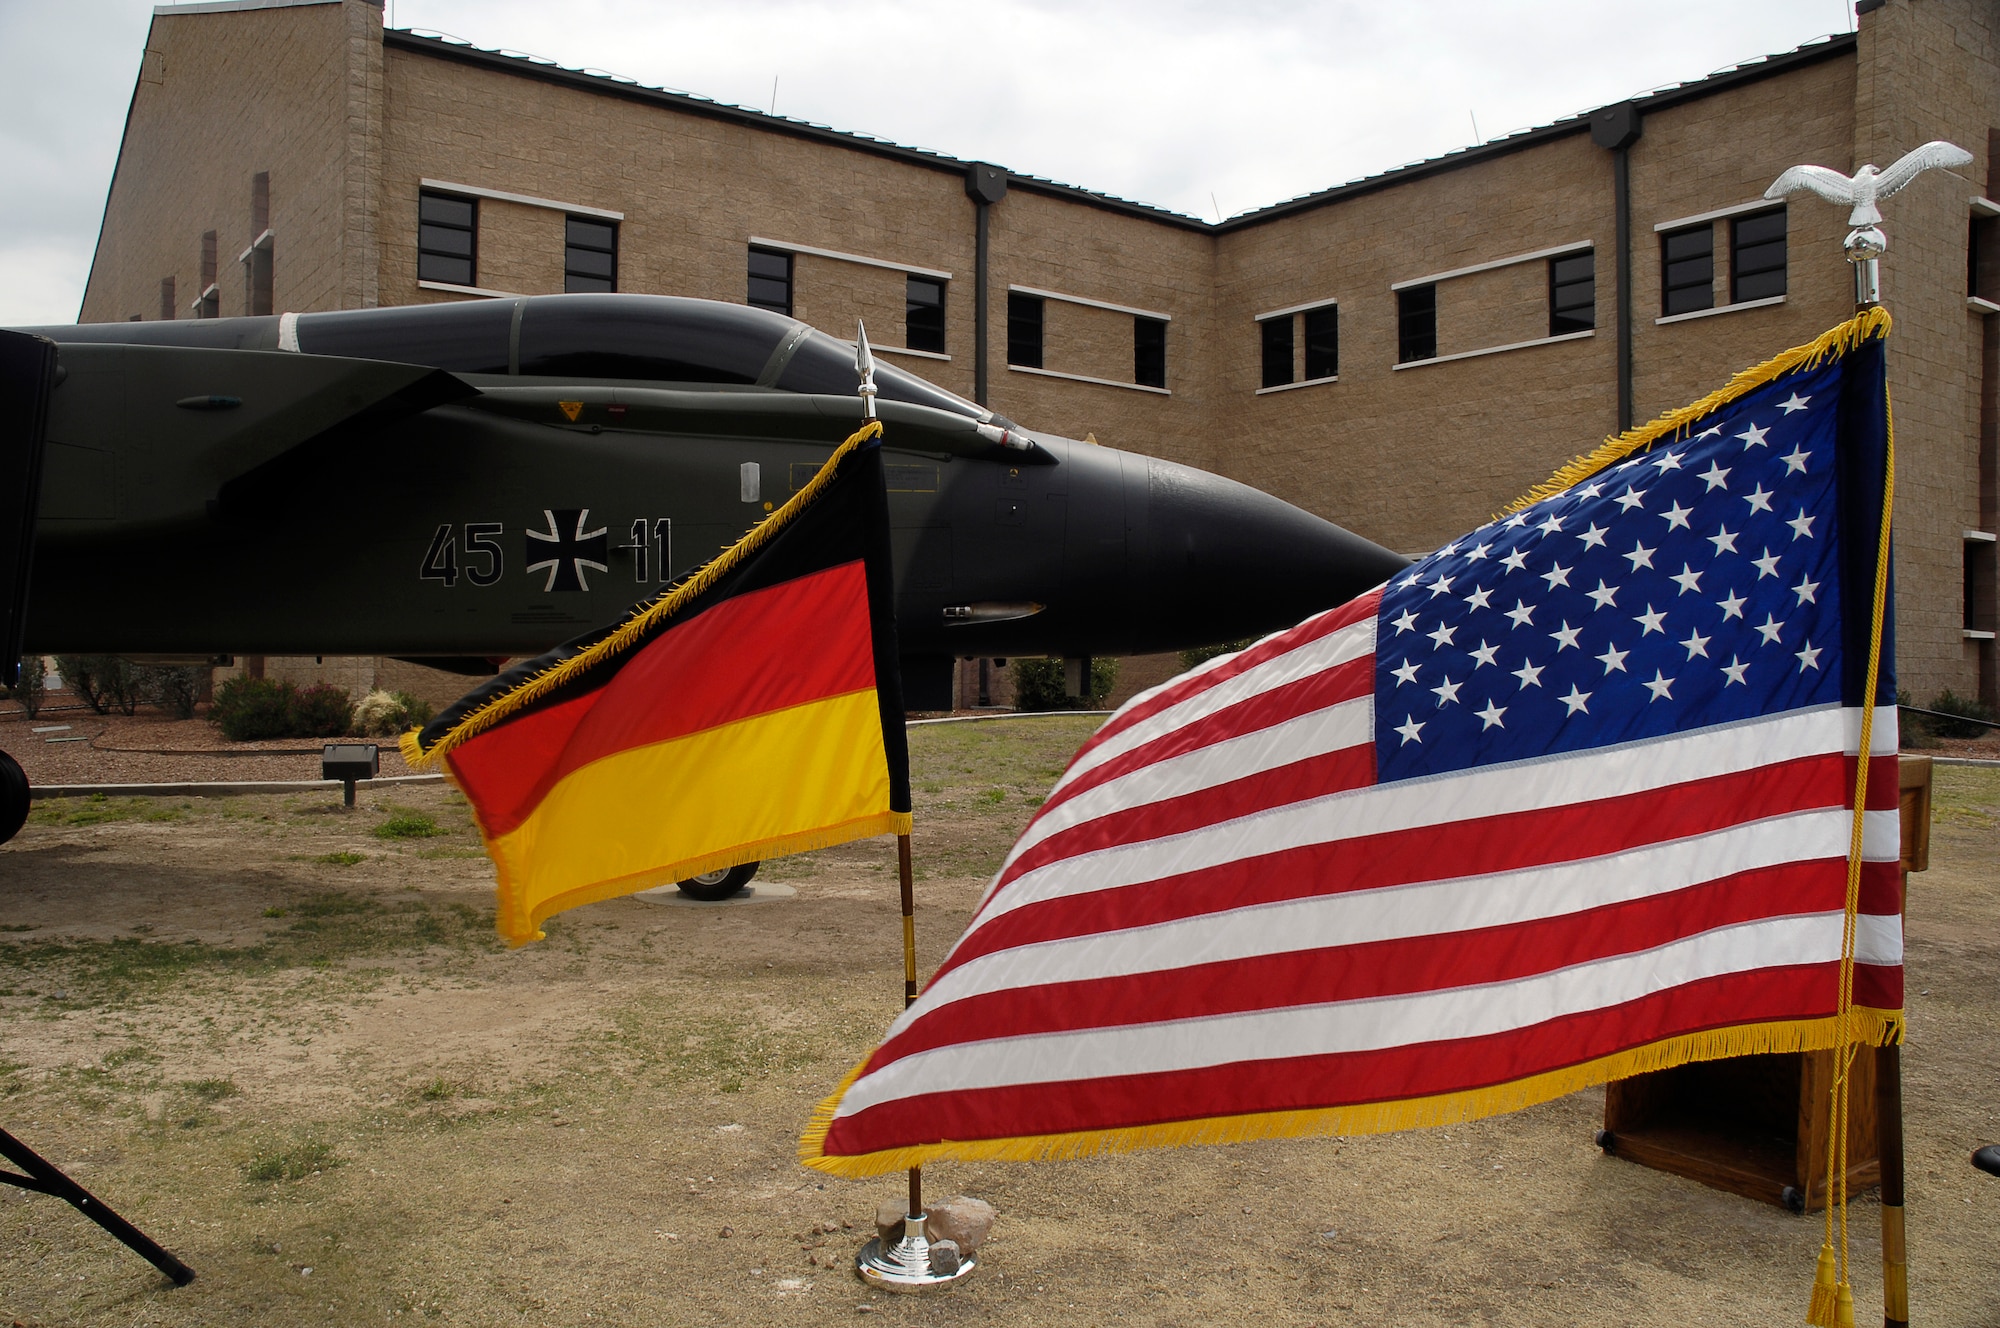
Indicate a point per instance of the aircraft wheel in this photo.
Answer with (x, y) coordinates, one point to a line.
(13, 797)
(709, 887)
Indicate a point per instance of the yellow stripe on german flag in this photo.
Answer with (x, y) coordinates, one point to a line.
(752, 713)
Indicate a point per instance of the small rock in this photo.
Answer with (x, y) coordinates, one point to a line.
(964, 1221)
(889, 1220)
(828, 1228)
(726, 1232)
(944, 1257)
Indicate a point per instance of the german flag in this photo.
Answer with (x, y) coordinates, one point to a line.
(753, 711)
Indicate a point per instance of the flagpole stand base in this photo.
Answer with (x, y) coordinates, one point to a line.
(906, 1265)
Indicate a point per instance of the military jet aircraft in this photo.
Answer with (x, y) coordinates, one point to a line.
(460, 483)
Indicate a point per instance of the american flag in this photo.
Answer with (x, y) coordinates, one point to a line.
(1566, 800)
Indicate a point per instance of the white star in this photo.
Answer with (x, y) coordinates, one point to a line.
(1687, 578)
(1522, 614)
(1613, 659)
(1734, 671)
(1769, 629)
(1794, 402)
(1484, 655)
(1404, 623)
(1641, 556)
(1594, 537)
(1767, 565)
(1759, 499)
(1491, 714)
(1409, 728)
(1447, 692)
(1731, 607)
(1606, 596)
(1551, 526)
(1557, 575)
(1709, 432)
(1575, 700)
(1565, 636)
(1406, 672)
(1667, 461)
(1697, 644)
(1442, 636)
(1724, 540)
(1517, 561)
(1529, 673)
(1477, 552)
(1591, 490)
(1717, 477)
(1478, 598)
(1753, 438)
(1802, 525)
(1805, 590)
(1516, 521)
(1676, 516)
(1809, 658)
(1448, 550)
(1632, 498)
(1795, 461)
(1440, 586)
(1649, 621)
(1660, 687)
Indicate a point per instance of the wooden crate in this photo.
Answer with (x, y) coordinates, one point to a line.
(1757, 1125)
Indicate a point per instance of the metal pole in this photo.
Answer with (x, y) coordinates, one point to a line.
(1621, 188)
(44, 1178)
(907, 879)
(1889, 1142)
(980, 239)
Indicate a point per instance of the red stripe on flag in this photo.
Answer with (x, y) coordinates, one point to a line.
(1401, 966)
(801, 640)
(1303, 1083)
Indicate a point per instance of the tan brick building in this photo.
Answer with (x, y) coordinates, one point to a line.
(1401, 354)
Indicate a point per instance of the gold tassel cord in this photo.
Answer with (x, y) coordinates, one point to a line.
(642, 620)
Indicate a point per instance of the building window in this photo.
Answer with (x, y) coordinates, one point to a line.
(1416, 323)
(208, 303)
(590, 255)
(923, 314)
(1573, 293)
(771, 281)
(1277, 338)
(1024, 330)
(447, 239)
(1757, 256)
(167, 310)
(1322, 342)
(1149, 352)
(1687, 270)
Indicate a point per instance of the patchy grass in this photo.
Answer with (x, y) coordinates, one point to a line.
(98, 809)
(210, 1090)
(306, 1158)
(1965, 795)
(341, 859)
(406, 824)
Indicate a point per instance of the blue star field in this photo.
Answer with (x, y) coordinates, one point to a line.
(1692, 584)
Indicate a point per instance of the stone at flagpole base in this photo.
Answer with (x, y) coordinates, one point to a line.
(922, 1252)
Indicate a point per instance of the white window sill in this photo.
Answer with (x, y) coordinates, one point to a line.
(1496, 350)
(1979, 536)
(905, 350)
(1764, 303)
(1086, 378)
(480, 291)
(1974, 634)
(1977, 305)
(1304, 382)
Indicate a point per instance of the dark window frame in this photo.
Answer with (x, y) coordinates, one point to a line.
(1149, 351)
(1682, 291)
(1573, 292)
(435, 260)
(1278, 346)
(1322, 351)
(1416, 323)
(788, 279)
(1027, 323)
(1751, 266)
(924, 319)
(580, 257)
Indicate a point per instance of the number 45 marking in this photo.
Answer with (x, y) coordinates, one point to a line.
(481, 546)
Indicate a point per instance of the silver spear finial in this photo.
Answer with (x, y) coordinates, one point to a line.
(1865, 244)
(864, 368)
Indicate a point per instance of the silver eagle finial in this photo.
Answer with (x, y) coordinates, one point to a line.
(1861, 190)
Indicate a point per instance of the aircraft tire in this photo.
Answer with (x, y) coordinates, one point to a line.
(13, 797)
(709, 887)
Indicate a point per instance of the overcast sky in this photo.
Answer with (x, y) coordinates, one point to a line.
(1205, 108)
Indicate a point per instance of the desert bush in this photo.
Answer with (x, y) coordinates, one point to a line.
(1914, 730)
(1949, 704)
(173, 687)
(383, 714)
(321, 711)
(1202, 654)
(28, 691)
(101, 681)
(252, 709)
(1038, 685)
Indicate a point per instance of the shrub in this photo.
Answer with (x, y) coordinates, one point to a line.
(28, 691)
(1038, 685)
(321, 711)
(1948, 704)
(252, 709)
(1200, 655)
(102, 681)
(1913, 729)
(172, 687)
(389, 714)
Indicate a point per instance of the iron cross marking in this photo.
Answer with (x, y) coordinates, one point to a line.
(565, 555)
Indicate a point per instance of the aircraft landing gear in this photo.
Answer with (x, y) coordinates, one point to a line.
(709, 887)
(14, 798)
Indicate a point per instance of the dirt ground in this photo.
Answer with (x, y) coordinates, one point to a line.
(282, 1040)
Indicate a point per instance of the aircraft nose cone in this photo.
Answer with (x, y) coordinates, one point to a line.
(1213, 558)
